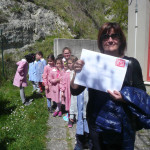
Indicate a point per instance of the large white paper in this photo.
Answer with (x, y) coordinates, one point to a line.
(101, 72)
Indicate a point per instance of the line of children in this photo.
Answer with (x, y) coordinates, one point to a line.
(56, 76)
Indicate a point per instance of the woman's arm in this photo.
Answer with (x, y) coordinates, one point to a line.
(137, 75)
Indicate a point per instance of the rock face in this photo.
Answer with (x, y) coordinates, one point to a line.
(27, 22)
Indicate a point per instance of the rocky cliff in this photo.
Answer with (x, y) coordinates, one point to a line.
(23, 23)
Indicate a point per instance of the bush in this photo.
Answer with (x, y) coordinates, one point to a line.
(3, 17)
(17, 9)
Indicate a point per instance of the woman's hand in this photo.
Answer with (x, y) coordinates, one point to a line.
(78, 65)
(116, 95)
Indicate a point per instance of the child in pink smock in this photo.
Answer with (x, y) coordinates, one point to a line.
(20, 79)
(70, 100)
(47, 70)
(65, 85)
(57, 91)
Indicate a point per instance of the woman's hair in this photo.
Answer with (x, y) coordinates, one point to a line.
(105, 29)
(39, 53)
(51, 57)
(58, 59)
(72, 58)
(65, 49)
(30, 57)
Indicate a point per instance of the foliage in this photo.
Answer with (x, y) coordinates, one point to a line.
(119, 12)
(3, 17)
(22, 127)
(46, 45)
(17, 9)
(84, 17)
(9, 70)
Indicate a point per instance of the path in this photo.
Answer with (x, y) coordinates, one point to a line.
(60, 137)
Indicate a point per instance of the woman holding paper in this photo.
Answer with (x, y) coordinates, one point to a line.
(110, 124)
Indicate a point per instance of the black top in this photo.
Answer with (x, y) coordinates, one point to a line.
(98, 98)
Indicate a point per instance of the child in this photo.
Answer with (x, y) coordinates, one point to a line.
(47, 70)
(73, 102)
(65, 85)
(40, 64)
(57, 92)
(20, 79)
(82, 130)
(32, 74)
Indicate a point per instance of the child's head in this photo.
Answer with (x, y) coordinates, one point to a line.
(59, 63)
(39, 55)
(66, 52)
(71, 61)
(60, 56)
(51, 60)
(30, 57)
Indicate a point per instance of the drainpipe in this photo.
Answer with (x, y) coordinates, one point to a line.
(136, 27)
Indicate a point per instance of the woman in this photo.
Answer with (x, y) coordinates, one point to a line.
(111, 41)
(66, 52)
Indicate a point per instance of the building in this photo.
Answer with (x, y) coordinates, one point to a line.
(139, 34)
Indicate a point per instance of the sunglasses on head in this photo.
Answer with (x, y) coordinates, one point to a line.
(113, 36)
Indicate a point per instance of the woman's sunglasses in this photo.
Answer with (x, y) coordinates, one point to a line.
(113, 36)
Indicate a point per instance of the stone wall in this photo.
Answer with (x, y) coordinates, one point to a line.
(76, 45)
(27, 23)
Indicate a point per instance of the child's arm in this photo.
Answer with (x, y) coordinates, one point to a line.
(45, 77)
(52, 78)
(62, 84)
(44, 62)
(21, 67)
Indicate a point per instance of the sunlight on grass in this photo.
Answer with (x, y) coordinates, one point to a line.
(22, 127)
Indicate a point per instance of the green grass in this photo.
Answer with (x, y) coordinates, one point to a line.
(22, 127)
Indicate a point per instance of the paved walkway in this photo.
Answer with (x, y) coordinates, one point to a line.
(60, 137)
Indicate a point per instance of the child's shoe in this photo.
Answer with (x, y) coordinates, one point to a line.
(27, 103)
(70, 124)
(55, 113)
(66, 118)
(50, 109)
(60, 114)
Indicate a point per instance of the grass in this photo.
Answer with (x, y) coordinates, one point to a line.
(22, 127)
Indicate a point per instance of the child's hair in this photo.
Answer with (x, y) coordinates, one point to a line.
(51, 57)
(60, 56)
(39, 53)
(65, 49)
(60, 59)
(72, 58)
(30, 57)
